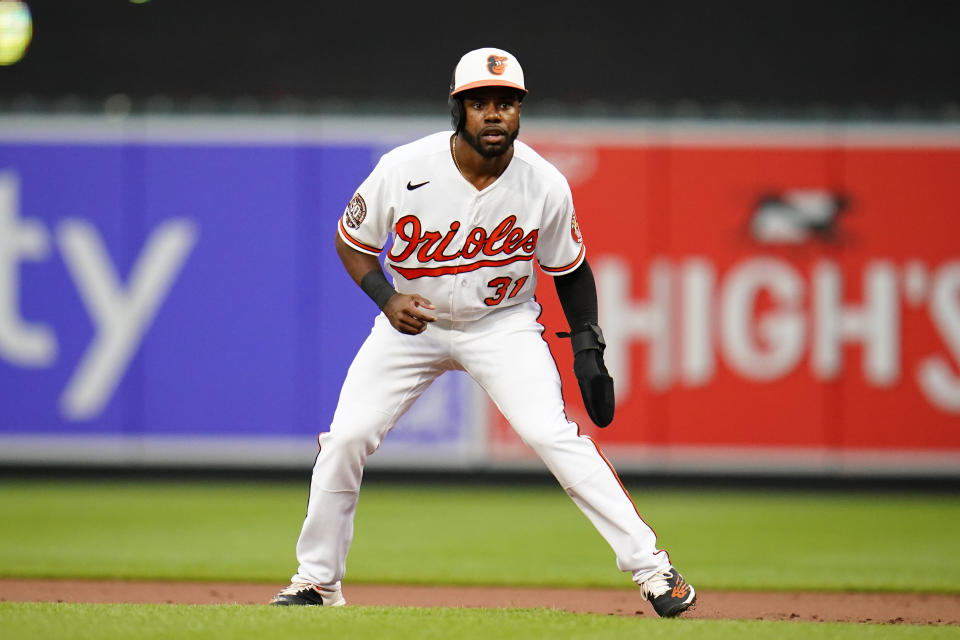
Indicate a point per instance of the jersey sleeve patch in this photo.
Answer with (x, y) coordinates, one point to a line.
(575, 229)
(355, 212)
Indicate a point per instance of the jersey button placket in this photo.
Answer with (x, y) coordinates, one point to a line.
(459, 296)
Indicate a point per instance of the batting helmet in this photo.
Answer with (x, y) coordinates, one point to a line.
(487, 67)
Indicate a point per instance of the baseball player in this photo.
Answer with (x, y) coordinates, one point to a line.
(469, 212)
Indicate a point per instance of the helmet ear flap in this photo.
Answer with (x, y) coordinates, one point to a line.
(456, 107)
(456, 113)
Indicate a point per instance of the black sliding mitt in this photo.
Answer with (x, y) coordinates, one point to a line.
(596, 385)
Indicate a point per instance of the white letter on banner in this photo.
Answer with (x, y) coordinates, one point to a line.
(120, 317)
(697, 363)
(876, 323)
(28, 345)
(782, 331)
(623, 321)
(935, 376)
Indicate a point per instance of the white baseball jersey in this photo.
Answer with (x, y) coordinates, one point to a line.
(468, 251)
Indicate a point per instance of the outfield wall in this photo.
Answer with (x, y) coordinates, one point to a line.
(777, 297)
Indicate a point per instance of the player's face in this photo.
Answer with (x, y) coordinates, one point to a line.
(492, 120)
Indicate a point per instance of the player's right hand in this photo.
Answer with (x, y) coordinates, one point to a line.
(403, 311)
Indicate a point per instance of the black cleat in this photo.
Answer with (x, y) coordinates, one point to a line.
(306, 594)
(669, 593)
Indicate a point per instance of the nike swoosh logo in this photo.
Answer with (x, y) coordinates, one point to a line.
(411, 186)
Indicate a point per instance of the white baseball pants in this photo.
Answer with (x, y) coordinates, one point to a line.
(507, 356)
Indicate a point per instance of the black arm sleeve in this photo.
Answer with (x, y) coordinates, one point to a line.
(577, 291)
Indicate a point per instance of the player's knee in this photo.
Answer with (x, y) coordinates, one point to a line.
(351, 443)
(540, 440)
(548, 438)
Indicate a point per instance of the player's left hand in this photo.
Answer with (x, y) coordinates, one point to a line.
(596, 385)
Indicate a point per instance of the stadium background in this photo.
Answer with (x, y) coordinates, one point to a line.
(768, 194)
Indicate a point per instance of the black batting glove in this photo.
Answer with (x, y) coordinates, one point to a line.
(596, 385)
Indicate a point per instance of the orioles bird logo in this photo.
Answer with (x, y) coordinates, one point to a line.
(497, 65)
(575, 230)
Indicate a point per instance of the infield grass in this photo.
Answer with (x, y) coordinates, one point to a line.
(480, 535)
(121, 622)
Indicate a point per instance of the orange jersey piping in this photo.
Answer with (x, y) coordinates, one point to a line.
(359, 246)
(569, 267)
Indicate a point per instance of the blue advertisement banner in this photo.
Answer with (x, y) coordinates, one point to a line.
(183, 290)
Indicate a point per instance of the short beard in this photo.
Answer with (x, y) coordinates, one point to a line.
(489, 152)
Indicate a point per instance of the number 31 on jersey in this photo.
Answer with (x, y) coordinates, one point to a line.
(501, 285)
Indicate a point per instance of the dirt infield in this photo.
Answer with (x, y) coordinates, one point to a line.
(884, 608)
